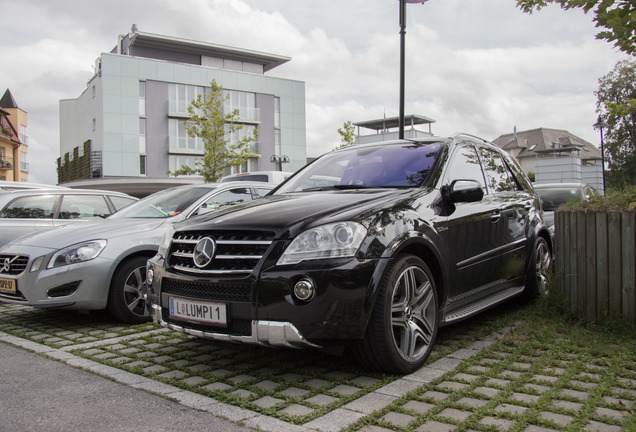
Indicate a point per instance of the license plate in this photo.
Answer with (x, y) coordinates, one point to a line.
(7, 286)
(206, 312)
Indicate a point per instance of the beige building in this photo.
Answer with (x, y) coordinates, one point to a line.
(13, 140)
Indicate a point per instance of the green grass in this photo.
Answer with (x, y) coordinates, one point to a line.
(550, 359)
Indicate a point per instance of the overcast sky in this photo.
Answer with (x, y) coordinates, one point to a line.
(475, 66)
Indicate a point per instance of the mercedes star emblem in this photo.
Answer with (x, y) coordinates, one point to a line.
(204, 252)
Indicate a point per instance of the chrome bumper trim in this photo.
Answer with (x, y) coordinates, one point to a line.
(266, 333)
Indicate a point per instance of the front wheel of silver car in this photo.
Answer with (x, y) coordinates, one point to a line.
(126, 298)
(404, 322)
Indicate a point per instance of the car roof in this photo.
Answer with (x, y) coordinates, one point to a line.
(62, 190)
(17, 185)
(558, 185)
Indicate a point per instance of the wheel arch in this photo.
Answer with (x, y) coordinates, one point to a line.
(431, 257)
(144, 252)
(415, 244)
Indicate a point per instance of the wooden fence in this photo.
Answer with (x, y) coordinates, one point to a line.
(595, 263)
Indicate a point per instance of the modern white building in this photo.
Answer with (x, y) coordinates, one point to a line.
(129, 123)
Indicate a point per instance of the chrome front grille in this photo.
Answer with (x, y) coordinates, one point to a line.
(236, 252)
(13, 264)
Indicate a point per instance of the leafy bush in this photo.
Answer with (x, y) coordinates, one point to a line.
(616, 199)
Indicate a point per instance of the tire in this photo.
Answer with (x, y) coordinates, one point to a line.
(403, 325)
(125, 297)
(540, 272)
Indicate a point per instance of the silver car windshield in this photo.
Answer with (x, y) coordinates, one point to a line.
(163, 204)
(380, 166)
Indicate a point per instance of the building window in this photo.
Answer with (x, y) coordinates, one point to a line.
(277, 147)
(142, 164)
(181, 96)
(244, 102)
(24, 138)
(277, 112)
(93, 91)
(142, 98)
(175, 162)
(94, 125)
(179, 139)
(24, 166)
(142, 135)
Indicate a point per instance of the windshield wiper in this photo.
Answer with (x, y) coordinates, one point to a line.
(338, 187)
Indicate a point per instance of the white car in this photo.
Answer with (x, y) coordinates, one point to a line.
(101, 265)
(274, 177)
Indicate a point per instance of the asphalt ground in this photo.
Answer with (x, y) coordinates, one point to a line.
(41, 394)
(66, 370)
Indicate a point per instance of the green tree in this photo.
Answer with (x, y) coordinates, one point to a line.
(617, 19)
(347, 134)
(208, 122)
(616, 103)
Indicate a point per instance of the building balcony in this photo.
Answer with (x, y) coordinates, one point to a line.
(6, 163)
(183, 145)
(246, 115)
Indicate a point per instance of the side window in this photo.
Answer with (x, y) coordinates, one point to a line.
(465, 165)
(83, 207)
(261, 191)
(497, 175)
(518, 174)
(225, 199)
(33, 207)
(120, 202)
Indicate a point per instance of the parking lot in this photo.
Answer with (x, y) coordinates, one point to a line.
(483, 376)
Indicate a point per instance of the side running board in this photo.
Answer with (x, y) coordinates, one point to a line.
(481, 305)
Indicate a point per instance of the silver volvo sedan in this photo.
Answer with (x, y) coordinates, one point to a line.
(101, 265)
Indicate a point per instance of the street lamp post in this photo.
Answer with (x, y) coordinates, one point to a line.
(279, 160)
(402, 59)
(600, 124)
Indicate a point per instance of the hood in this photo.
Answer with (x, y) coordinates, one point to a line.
(76, 233)
(288, 214)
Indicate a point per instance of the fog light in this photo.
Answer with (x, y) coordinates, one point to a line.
(150, 275)
(304, 290)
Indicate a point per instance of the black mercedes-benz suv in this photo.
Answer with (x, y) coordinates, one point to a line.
(371, 247)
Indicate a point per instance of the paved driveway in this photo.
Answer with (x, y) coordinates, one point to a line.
(477, 379)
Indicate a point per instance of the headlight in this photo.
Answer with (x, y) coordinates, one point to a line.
(335, 240)
(77, 253)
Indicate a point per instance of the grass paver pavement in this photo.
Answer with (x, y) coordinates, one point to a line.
(544, 373)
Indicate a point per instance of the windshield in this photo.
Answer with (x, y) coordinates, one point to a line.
(386, 166)
(163, 204)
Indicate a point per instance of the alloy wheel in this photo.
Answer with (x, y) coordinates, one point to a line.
(413, 314)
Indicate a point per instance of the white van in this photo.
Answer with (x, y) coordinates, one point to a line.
(274, 177)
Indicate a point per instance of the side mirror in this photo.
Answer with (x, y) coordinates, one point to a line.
(465, 191)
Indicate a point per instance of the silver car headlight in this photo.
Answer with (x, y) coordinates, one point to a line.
(336, 240)
(77, 253)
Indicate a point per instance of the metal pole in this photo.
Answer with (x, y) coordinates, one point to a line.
(402, 50)
(603, 160)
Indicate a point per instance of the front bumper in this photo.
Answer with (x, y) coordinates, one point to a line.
(267, 333)
(82, 285)
(262, 308)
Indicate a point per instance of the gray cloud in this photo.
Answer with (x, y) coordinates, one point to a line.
(474, 66)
